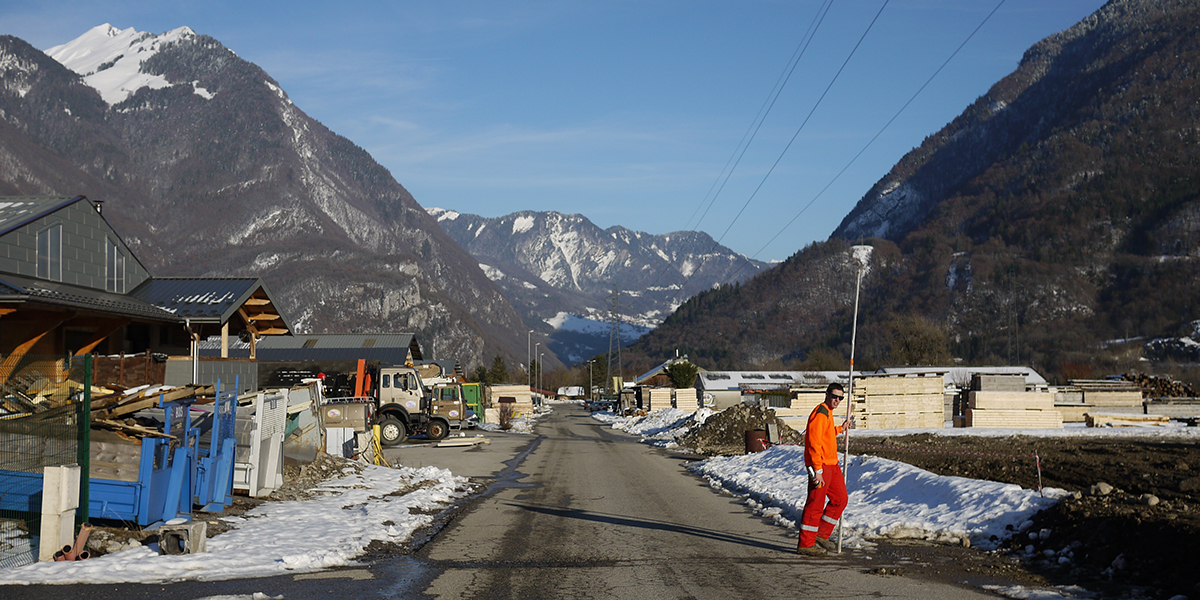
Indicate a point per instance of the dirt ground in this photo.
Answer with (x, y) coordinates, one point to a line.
(1137, 536)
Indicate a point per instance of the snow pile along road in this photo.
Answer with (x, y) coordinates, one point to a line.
(888, 499)
(332, 529)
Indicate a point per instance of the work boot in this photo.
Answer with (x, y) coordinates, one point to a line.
(827, 544)
(810, 551)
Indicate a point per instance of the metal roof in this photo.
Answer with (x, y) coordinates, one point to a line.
(206, 299)
(734, 380)
(389, 348)
(961, 376)
(17, 211)
(15, 288)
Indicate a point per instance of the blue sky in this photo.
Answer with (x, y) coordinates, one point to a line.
(625, 112)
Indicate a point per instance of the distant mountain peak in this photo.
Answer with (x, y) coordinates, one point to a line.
(110, 59)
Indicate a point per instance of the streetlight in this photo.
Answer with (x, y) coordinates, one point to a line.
(528, 370)
(535, 355)
(540, 369)
(590, 397)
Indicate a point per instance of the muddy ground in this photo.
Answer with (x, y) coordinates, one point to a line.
(1138, 535)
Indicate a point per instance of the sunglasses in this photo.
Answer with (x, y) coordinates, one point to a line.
(837, 396)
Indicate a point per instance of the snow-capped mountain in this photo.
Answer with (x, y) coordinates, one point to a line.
(208, 169)
(562, 270)
(110, 59)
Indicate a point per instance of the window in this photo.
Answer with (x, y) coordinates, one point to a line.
(49, 253)
(114, 266)
(387, 380)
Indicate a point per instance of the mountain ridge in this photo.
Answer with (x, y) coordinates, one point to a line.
(236, 180)
(551, 264)
(1059, 210)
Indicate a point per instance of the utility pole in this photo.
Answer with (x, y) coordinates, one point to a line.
(614, 339)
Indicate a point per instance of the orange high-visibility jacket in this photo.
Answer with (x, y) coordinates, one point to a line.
(820, 439)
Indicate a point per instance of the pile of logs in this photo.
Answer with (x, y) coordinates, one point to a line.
(1155, 386)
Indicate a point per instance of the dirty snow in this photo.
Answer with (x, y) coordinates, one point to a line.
(338, 526)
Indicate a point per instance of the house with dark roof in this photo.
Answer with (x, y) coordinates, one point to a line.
(70, 286)
(284, 360)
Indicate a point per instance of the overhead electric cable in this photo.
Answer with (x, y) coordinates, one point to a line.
(828, 87)
(805, 122)
(768, 104)
(752, 130)
(877, 134)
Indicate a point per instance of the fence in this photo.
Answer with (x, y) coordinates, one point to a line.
(45, 419)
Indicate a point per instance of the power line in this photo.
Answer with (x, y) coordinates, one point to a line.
(875, 137)
(794, 136)
(768, 104)
(752, 131)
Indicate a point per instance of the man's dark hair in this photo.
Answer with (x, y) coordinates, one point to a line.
(835, 386)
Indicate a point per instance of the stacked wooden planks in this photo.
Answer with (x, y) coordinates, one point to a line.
(1001, 401)
(658, 399)
(687, 399)
(898, 402)
(1126, 420)
(519, 397)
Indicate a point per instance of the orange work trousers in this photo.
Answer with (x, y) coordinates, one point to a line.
(824, 506)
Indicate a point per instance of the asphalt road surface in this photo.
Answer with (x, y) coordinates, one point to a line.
(576, 511)
(591, 513)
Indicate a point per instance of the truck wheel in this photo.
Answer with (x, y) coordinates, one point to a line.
(438, 428)
(392, 431)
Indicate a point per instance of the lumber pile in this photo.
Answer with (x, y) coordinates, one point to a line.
(897, 402)
(687, 399)
(1097, 392)
(1126, 420)
(1001, 401)
(518, 397)
(658, 399)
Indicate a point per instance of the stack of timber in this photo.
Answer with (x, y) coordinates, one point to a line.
(898, 402)
(520, 397)
(1001, 401)
(658, 399)
(687, 399)
(1126, 420)
(1109, 393)
(803, 400)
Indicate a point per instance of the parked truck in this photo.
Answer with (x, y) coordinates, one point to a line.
(405, 405)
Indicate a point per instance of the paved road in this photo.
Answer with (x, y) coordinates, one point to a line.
(577, 511)
(594, 514)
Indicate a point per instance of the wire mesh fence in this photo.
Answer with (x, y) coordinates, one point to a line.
(44, 422)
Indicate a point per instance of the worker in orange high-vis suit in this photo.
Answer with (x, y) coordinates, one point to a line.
(825, 480)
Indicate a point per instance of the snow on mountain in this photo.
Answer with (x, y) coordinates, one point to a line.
(561, 270)
(110, 59)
